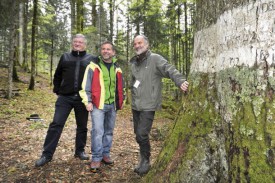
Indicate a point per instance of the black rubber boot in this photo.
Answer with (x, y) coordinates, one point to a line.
(144, 165)
(139, 164)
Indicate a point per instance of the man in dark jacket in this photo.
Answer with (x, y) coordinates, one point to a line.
(67, 84)
(148, 69)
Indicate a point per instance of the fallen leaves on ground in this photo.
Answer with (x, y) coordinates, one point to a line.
(22, 140)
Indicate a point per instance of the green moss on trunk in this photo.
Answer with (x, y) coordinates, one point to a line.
(224, 132)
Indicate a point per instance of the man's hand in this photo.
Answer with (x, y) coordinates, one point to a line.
(184, 86)
(89, 107)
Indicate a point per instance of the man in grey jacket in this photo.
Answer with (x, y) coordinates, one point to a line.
(148, 69)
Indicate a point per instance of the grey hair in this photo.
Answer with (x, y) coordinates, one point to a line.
(144, 37)
(80, 36)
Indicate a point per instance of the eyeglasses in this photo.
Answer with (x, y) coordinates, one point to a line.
(80, 42)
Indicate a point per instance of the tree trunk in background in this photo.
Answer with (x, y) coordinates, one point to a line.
(187, 39)
(21, 28)
(80, 16)
(94, 13)
(73, 17)
(51, 61)
(144, 17)
(25, 37)
(100, 21)
(15, 76)
(128, 46)
(225, 130)
(34, 23)
(111, 11)
(12, 36)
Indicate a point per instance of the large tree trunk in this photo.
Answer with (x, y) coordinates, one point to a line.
(225, 131)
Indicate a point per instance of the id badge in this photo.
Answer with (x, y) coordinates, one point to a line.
(136, 83)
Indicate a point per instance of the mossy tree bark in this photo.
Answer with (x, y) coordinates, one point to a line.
(225, 131)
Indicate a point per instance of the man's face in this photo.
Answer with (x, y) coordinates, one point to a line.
(140, 45)
(79, 44)
(107, 52)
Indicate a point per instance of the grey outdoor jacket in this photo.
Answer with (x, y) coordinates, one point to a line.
(146, 83)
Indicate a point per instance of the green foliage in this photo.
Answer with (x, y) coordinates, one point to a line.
(52, 35)
(150, 21)
(6, 11)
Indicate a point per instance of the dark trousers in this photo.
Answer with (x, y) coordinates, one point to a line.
(143, 121)
(63, 107)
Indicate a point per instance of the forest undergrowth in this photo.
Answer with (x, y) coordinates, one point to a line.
(21, 140)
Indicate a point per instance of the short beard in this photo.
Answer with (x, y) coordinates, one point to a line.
(140, 51)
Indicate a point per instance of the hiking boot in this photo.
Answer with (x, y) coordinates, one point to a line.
(81, 156)
(107, 160)
(95, 165)
(42, 161)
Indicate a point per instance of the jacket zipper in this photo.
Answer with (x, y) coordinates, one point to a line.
(110, 85)
(76, 73)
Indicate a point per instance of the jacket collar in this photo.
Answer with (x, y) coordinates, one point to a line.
(113, 59)
(141, 57)
(78, 53)
(99, 59)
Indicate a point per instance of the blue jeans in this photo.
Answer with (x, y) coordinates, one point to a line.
(103, 123)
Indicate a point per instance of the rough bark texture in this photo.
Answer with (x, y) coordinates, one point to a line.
(225, 131)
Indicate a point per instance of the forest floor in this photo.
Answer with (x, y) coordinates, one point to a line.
(21, 140)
